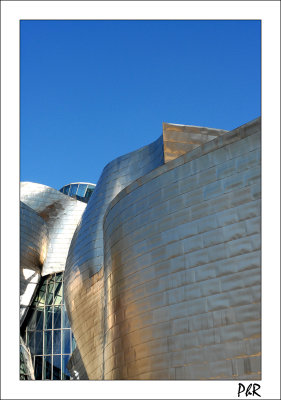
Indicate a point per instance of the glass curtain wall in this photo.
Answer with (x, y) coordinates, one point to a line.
(48, 334)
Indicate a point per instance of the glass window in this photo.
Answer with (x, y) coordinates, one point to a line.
(89, 192)
(66, 338)
(65, 372)
(49, 294)
(73, 190)
(47, 367)
(31, 341)
(39, 342)
(73, 343)
(57, 317)
(57, 342)
(38, 368)
(58, 293)
(32, 321)
(66, 189)
(48, 317)
(65, 320)
(39, 318)
(81, 190)
(56, 367)
(48, 342)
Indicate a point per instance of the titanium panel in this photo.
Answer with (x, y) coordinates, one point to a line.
(180, 139)
(61, 214)
(182, 267)
(84, 281)
(33, 248)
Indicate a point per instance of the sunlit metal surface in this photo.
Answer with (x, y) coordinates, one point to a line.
(61, 214)
(169, 287)
(33, 246)
(180, 139)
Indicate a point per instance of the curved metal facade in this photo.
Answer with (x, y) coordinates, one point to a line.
(61, 214)
(169, 287)
(182, 267)
(84, 284)
(33, 249)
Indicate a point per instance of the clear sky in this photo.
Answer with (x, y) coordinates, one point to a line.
(91, 91)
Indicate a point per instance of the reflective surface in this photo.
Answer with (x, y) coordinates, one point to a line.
(47, 331)
(33, 249)
(178, 296)
(181, 139)
(61, 214)
(81, 190)
(84, 269)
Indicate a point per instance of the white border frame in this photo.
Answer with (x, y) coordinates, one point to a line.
(12, 12)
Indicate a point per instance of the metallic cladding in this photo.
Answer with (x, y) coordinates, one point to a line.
(84, 286)
(182, 267)
(180, 139)
(61, 214)
(33, 249)
(169, 287)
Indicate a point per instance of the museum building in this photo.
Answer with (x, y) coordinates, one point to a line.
(153, 273)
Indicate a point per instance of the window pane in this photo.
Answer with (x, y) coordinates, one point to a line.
(48, 342)
(39, 318)
(38, 368)
(58, 293)
(31, 341)
(65, 319)
(32, 321)
(49, 295)
(48, 317)
(57, 317)
(39, 342)
(65, 372)
(73, 343)
(47, 367)
(57, 342)
(81, 190)
(73, 190)
(58, 277)
(56, 367)
(66, 337)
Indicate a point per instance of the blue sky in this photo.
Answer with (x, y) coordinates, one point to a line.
(91, 91)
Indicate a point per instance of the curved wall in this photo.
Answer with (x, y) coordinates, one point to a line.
(182, 267)
(61, 214)
(33, 249)
(84, 284)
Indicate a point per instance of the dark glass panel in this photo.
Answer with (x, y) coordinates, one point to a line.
(66, 189)
(56, 342)
(32, 320)
(58, 277)
(31, 341)
(56, 367)
(73, 343)
(65, 320)
(49, 294)
(89, 192)
(47, 367)
(39, 318)
(39, 342)
(38, 368)
(48, 342)
(57, 317)
(48, 317)
(66, 341)
(65, 372)
(58, 293)
(81, 190)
